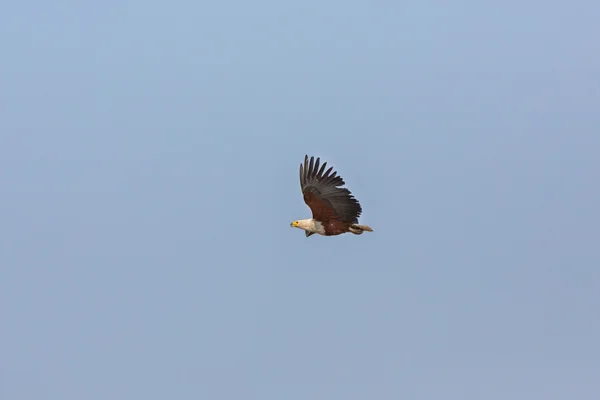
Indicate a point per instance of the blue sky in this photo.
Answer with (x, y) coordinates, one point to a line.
(149, 157)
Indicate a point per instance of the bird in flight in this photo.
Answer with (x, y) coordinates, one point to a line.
(334, 209)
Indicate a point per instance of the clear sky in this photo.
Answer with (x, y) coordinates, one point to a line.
(149, 157)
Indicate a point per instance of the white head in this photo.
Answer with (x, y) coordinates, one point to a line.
(305, 224)
(309, 225)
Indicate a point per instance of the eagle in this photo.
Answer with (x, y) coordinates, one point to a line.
(334, 209)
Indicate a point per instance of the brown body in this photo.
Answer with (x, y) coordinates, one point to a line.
(334, 227)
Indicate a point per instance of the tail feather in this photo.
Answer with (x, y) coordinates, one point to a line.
(359, 229)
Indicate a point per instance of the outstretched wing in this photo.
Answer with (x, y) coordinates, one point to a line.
(321, 193)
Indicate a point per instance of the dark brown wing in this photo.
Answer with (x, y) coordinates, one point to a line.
(322, 194)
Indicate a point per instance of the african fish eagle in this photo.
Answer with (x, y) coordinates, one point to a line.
(334, 209)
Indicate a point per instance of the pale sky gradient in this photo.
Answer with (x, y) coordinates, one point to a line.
(149, 157)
